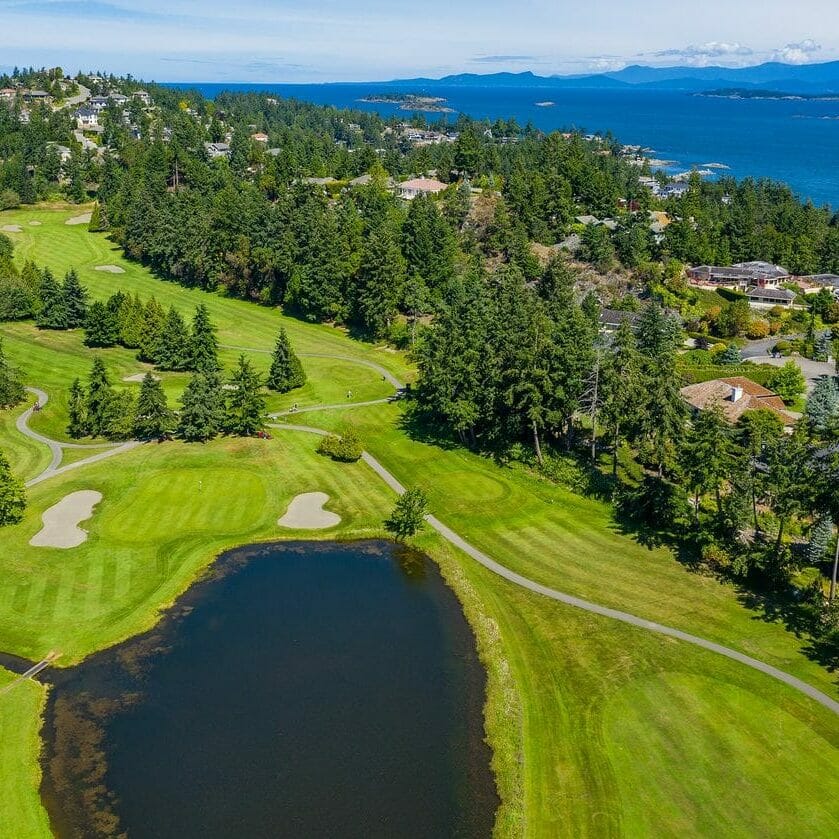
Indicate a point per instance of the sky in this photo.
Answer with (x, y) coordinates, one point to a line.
(370, 40)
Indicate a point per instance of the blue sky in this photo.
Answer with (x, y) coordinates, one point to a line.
(344, 40)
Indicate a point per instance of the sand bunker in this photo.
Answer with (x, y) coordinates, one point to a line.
(61, 522)
(110, 269)
(35, 223)
(11, 228)
(306, 513)
(84, 218)
(138, 377)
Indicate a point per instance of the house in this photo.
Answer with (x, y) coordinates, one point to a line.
(117, 98)
(739, 276)
(143, 96)
(97, 103)
(63, 152)
(611, 319)
(673, 190)
(767, 298)
(217, 150)
(36, 96)
(86, 118)
(735, 396)
(820, 281)
(259, 137)
(419, 186)
(7, 94)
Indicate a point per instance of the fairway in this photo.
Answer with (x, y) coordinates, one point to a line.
(598, 729)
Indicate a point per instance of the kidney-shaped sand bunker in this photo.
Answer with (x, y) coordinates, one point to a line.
(305, 512)
(61, 521)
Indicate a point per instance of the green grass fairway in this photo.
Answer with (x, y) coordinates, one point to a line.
(21, 813)
(598, 729)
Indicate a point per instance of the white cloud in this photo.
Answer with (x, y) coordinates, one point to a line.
(797, 53)
(699, 55)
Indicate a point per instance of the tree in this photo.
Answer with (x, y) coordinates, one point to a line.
(202, 408)
(245, 403)
(131, 318)
(408, 515)
(75, 300)
(788, 382)
(12, 495)
(381, 278)
(203, 344)
(731, 355)
(98, 395)
(345, 448)
(118, 415)
(12, 390)
(286, 371)
(756, 430)
(704, 456)
(77, 411)
(53, 311)
(596, 247)
(151, 331)
(152, 417)
(101, 326)
(823, 405)
(173, 348)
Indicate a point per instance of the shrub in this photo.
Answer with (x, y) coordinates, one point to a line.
(346, 449)
(9, 199)
(715, 557)
(758, 329)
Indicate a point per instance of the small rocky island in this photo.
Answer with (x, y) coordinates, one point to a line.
(411, 102)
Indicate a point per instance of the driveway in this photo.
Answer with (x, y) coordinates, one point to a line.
(812, 370)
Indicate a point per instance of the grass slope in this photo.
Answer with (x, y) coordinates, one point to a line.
(584, 715)
(21, 813)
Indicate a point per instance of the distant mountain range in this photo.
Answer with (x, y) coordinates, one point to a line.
(787, 78)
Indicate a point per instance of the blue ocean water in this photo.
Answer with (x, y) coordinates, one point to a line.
(788, 140)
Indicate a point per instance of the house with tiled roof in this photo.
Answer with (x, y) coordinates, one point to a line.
(734, 396)
(419, 186)
(768, 298)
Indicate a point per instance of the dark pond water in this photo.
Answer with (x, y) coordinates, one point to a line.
(306, 690)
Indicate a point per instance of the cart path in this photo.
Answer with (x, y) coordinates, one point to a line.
(586, 605)
(308, 409)
(33, 671)
(382, 371)
(57, 448)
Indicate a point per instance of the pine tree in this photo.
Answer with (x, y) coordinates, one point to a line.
(245, 403)
(173, 349)
(75, 300)
(152, 417)
(12, 390)
(118, 415)
(12, 495)
(286, 371)
(408, 515)
(203, 344)
(99, 393)
(381, 278)
(53, 307)
(151, 331)
(77, 410)
(101, 327)
(202, 408)
(131, 317)
(823, 405)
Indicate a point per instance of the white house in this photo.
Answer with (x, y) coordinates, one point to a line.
(86, 118)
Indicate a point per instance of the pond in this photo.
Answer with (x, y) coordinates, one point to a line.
(301, 690)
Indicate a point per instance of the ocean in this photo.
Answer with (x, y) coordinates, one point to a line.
(794, 141)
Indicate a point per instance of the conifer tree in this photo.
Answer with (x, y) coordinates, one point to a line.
(99, 393)
(151, 331)
(75, 300)
(202, 408)
(12, 390)
(101, 327)
(53, 307)
(245, 403)
(118, 415)
(152, 417)
(381, 278)
(131, 316)
(173, 347)
(286, 371)
(77, 410)
(203, 344)
(12, 495)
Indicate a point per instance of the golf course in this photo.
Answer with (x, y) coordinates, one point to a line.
(598, 727)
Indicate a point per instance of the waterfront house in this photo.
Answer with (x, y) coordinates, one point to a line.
(143, 96)
(740, 276)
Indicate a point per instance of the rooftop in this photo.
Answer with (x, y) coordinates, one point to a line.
(735, 396)
(771, 294)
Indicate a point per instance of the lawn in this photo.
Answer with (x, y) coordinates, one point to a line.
(598, 729)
